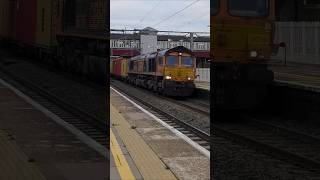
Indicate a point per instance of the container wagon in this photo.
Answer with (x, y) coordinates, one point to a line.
(68, 34)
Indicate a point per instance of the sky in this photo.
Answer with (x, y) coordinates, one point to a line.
(138, 14)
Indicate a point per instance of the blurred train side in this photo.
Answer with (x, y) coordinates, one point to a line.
(119, 68)
(68, 34)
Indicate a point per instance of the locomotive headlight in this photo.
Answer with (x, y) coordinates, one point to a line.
(189, 78)
(253, 54)
(168, 77)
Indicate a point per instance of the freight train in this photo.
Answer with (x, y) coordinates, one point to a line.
(242, 44)
(68, 34)
(170, 72)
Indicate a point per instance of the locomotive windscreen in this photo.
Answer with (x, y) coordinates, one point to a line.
(248, 8)
(186, 61)
(214, 6)
(172, 60)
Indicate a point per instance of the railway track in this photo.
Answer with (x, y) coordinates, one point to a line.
(278, 142)
(195, 134)
(89, 124)
(205, 110)
(199, 107)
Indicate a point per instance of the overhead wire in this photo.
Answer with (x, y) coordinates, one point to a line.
(199, 17)
(151, 10)
(174, 14)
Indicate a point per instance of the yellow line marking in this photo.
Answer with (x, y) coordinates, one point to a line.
(120, 161)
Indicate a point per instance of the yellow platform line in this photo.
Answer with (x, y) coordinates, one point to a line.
(148, 163)
(119, 159)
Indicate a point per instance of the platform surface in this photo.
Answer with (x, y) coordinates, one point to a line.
(33, 146)
(203, 85)
(14, 163)
(304, 76)
(147, 162)
(170, 155)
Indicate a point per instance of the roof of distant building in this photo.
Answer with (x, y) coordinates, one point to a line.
(136, 36)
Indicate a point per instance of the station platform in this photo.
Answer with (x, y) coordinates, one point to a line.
(142, 148)
(14, 163)
(136, 160)
(33, 146)
(300, 76)
(203, 85)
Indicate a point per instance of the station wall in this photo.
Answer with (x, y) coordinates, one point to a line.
(302, 40)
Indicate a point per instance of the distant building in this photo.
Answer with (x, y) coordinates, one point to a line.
(129, 45)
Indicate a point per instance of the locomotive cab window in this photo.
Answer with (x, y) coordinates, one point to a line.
(248, 8)
(186, 61)
(214, 6)
(172, 60)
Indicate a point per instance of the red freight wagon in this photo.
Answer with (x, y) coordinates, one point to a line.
(26, 13)
(117, 67)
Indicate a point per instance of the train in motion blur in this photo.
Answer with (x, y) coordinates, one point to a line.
(241, 45)
(68, 34)
(170, 72)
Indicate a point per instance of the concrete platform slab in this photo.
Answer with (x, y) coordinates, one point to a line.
(180, 157)
(56, 152)
(203, 85)
(300, 76)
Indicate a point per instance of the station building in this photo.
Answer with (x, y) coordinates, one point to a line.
(129, 45)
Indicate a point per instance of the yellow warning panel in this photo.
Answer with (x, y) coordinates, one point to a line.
(120, 161)
(146, 160)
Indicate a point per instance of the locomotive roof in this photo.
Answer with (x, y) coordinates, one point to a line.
(160, 37)
(161, 53)
(181, 49)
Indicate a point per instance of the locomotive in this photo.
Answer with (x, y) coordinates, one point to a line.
(170, 72)
(242, 44)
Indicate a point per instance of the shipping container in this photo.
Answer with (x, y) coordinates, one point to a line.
(26, 19)
(124, 68)
(4, 18)
(117, 67)
(111, 66)
(84, 16)
(97, 16)
(44, 33)
(7, 16)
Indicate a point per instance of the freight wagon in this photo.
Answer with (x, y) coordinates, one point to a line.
(119, 68)
(71, 34)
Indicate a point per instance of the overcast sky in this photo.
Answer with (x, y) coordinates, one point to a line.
(139, 14)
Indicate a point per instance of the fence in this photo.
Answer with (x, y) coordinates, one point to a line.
(302, 40)
(204, 74)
